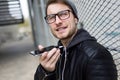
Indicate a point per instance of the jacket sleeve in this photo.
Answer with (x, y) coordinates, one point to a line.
(41, 74)
(101, 65)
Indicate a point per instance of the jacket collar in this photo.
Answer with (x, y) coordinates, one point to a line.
(81, 35)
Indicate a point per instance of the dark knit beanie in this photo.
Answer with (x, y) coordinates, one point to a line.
(73, 7)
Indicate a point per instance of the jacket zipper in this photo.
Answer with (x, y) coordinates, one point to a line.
(44, 77)
(64, 64)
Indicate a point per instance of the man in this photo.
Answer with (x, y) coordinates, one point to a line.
(82, 58)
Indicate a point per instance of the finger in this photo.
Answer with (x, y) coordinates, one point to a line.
(53, 64)
(43, 56)
(50, 54)
(46, 56)
(40, 47)
(55, 58)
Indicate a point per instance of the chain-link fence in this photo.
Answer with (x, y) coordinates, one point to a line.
(102, 19)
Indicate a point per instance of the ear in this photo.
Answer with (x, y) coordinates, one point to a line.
(76, 20)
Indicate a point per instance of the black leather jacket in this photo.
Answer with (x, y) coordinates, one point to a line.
(82, 59)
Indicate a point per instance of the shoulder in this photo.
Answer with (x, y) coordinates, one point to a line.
(93, 48)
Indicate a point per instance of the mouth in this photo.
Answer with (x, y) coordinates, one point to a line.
(61, 29)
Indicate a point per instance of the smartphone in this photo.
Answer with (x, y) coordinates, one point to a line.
(39, 52)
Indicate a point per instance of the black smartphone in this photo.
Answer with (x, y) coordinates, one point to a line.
(39, 52)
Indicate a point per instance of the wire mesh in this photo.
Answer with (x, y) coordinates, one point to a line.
(102, 19)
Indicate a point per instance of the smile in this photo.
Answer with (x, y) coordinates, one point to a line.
(61, 29)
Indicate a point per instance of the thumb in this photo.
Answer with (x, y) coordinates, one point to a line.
(40, 47)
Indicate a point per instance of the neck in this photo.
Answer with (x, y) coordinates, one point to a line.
(66, 41)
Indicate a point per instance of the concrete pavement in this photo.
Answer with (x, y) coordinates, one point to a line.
(15, 61)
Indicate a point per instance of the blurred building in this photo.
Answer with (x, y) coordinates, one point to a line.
(10, 17)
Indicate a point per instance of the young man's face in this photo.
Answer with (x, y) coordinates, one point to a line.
(62, 28)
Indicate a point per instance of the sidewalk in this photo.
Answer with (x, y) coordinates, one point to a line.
(19, 68)
(15, 61)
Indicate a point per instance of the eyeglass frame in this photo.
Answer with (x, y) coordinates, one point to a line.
(57, 14)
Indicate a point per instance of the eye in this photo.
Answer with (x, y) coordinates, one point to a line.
(50, 17)
(63, 13)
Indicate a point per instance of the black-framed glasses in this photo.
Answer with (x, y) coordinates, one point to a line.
(65, 14)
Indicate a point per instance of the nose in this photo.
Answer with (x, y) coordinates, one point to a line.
(58, 20)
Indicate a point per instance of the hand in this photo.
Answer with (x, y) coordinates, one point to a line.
(49, 59)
